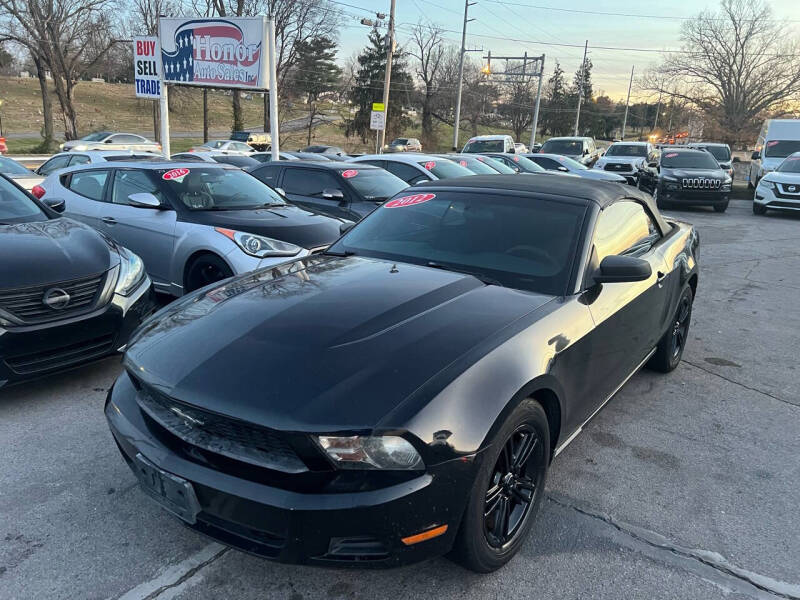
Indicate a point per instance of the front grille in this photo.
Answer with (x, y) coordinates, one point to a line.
(28, 304)
(700, 183)
(618, 167)
(220, 435)
(59, 358)
(790, 191)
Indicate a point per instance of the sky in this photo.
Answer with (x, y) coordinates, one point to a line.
(513, 27)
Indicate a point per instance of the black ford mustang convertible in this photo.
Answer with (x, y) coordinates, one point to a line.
(402, 395)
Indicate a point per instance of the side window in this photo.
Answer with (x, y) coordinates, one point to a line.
(305, 182)
(405, 172)
(55, 163)
(126, 138)
(377, 163)
(79, 159)
(547, 163)
(89, 183)
(624, 228)
(240, 147)
(268, 175)
(127, 182)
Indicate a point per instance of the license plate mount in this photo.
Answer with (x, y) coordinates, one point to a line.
(172, 492)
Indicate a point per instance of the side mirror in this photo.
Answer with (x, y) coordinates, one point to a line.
(108, 141)
(652, 165)
(332, 194)
(736, 159)
(622, 269)
(345, 227)
(144, 200)
(585, 151)
(57, 204)
(563, 169)
(755, 156)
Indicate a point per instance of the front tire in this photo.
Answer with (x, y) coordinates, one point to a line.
(670, 348)
(204, 270)
(759, 209)
(507, 491)
(721, 207)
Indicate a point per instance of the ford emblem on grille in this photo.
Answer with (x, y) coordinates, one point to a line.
(56, 298)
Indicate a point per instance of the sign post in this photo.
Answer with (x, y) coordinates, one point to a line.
(273, 95)
(377, 121)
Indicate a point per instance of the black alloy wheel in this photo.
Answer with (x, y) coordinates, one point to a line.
(672, 344)
(512, 487)
(206, 269)
(507, 491)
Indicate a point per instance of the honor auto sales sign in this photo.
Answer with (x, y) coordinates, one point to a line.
(146, 72)
(215, 52)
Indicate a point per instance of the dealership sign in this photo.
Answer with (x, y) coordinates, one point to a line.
(146, 67)
(215, 52)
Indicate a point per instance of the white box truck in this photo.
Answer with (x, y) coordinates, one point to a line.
(778, 139)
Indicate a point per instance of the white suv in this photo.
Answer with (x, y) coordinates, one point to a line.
(489, 143)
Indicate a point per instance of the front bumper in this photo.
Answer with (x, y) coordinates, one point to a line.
(357, 528)
(692, 197)
(768, 198)
(31, 351)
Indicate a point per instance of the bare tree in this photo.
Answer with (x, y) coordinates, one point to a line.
(735, 65)
(517, 104)
(427, 47)
(69, 36)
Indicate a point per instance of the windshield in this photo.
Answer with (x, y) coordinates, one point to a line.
(781, 148)
(572, 165)
(374, 184)
(210, 188)
(16, 206)
(444, 168)
(507, 240)
(526, 165)
(479, 167)
(721, 153)
(96, 137)
(12, 167)
(626, 150)
(790, 165)
(497, 165)
(484, 146)
(569, 147)
(217, 144)
(688, 160)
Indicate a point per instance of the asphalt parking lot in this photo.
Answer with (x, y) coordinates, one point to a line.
(684, 486)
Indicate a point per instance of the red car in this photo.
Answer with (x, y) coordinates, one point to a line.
(3, 147)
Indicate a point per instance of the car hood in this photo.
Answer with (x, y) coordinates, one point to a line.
(601, 175)
(692, 173)
(287, 223)
(777, 177)
(61, 249)
(329, 344)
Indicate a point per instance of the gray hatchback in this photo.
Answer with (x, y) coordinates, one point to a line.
(191, 223)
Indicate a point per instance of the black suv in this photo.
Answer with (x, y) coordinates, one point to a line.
(687, 177)
(337, 189)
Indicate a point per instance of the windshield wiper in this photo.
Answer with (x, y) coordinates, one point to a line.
(345, 253)
(475, 274)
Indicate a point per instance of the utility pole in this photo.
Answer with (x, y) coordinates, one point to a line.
(467, 4)
(580, 91)
(627, 103)
(536, 107)
(658, 109)
(388, 79)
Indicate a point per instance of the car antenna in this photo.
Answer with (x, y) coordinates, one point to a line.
(394, 269)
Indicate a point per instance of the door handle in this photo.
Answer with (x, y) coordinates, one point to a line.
(109, 220)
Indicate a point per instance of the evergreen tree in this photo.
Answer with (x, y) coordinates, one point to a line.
(585, 75)
(316, 72)
(368, 88)
(555, 114)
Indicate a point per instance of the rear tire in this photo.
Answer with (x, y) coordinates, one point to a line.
(506, 493)
(759, 209)
(204, 270)
(721, 207)
(670, 348)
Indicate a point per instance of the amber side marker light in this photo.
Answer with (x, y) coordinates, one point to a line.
(425, 535)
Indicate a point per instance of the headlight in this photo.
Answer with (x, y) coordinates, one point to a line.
(767, 184)
(131, 272)
(671, 186)
(258, 245)
(371, 452)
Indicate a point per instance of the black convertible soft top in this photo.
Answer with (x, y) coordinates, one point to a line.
(601, 193)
